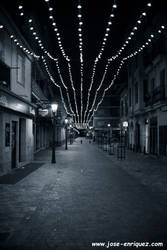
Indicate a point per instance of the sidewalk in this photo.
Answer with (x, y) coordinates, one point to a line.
(150, 170)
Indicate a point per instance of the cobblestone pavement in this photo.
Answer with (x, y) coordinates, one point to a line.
(87, 196)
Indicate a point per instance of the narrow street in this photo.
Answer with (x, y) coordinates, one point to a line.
(85, 197)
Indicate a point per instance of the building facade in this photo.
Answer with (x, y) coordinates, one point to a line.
(25, 112)
(147, 100)
(16, 110)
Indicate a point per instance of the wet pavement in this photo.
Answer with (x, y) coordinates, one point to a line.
(87, 196)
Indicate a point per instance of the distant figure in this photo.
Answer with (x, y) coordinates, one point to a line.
(89, 141)
(81, 141)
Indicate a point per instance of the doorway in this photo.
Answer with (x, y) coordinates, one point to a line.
(22, 136)
(137, 137)
(153, 136)
(14, 144)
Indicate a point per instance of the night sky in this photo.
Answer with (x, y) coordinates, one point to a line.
(95, 16)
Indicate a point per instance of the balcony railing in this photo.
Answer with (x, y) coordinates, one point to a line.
(158, 94)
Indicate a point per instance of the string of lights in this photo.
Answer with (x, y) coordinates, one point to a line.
(133, 31)
(127, 41)
(40, 44)
(19, 43)
(80, 37)
(74, 91)
(64, 85)
(56, 30)
(131, 55)
(105, 38)
(35, 35)
(98, 89)
(57, 85)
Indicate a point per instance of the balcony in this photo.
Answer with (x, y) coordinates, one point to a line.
(157, 95)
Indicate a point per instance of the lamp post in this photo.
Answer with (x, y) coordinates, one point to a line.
(109, 132)
(66, 125)
(71, 134)
(54, 107)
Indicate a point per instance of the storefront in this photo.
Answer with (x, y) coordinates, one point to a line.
(16, 131)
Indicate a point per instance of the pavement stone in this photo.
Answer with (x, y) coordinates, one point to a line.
(87, 196)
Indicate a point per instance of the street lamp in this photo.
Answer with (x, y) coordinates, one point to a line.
(54, 107)
(66, 125)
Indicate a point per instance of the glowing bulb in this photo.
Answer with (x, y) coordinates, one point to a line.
(1, 26)
(20, 7)
(149, 4)
(114, 6)
(79, 6)
(144, 13)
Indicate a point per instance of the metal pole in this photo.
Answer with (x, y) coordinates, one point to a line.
(66, 139)
(53, 142)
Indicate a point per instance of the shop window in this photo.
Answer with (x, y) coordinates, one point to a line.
(20, 68)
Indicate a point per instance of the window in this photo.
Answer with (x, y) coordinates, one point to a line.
(136, 92)
(136, 61)
(126, 106)
(122, 109)
(146, 96)
(4, 75)
(2, 47)
(20, 68)
(153, 83)
(162, 83)
(130, 97)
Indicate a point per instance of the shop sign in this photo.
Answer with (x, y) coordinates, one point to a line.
(43, 112)
(11, 102)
